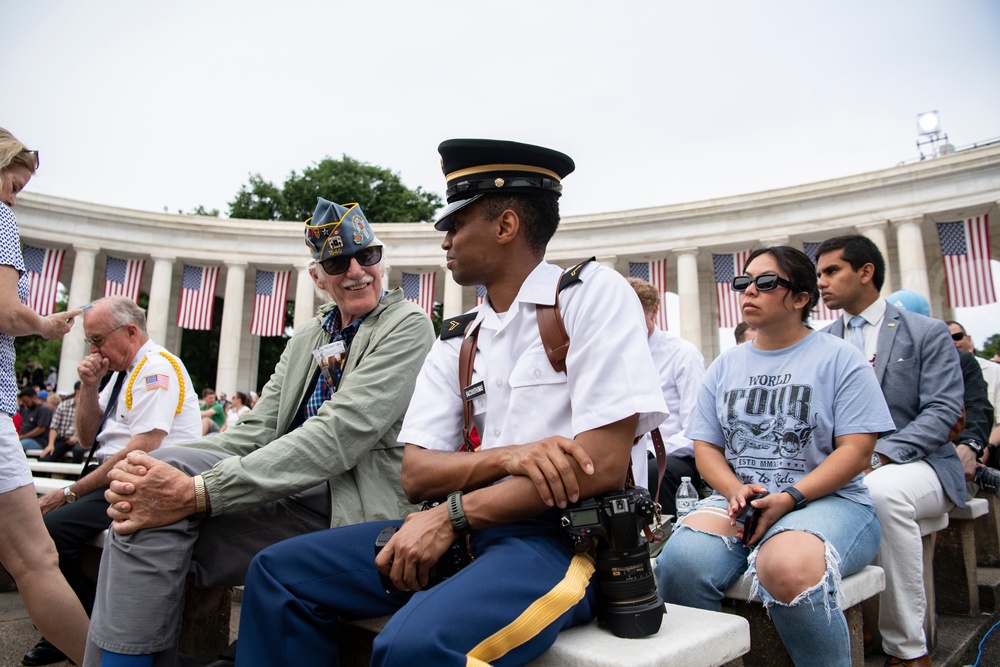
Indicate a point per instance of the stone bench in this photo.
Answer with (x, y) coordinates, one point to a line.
(45, 484)
(955, 585)
(689, 637)
(769, 650)
(988, 533)
(55, 468)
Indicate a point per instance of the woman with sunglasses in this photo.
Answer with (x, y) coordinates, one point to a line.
(26, 550)
(789, 418)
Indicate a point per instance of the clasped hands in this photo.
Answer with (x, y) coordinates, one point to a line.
(425, 536)
(147, 493)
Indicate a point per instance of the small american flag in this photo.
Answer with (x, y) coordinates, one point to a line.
(965, 251)
(43, 266)
(157, 382)
(270, 294)
(197, 297)
(726, 268)
(480, 294)
(654, 272)
(123, 276)
(821, 311)
(419, 288)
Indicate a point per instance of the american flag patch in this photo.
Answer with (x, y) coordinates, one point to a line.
(157, 382)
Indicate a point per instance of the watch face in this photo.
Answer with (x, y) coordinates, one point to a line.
(876, 461)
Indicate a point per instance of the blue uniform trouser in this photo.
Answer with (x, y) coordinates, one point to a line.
(297, 589)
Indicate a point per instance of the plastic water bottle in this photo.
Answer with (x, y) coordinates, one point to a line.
(686, 497)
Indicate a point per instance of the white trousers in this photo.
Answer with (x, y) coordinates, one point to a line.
(903, 495)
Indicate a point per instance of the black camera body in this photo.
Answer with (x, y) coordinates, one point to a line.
(454, 559)
(629, 604)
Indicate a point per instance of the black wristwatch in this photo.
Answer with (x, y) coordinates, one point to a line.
(972, 444)
(800, 500)
(459, 522)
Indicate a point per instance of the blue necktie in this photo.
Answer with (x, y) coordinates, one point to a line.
(856, 338)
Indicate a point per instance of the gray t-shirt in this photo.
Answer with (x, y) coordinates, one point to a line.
(776, 413)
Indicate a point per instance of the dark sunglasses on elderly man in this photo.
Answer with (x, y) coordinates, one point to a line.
(765, 283)
(958, 335)
(366, 257)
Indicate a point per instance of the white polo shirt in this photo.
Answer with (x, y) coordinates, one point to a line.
(157, 394)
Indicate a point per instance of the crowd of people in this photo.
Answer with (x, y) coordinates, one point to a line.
(836, 442)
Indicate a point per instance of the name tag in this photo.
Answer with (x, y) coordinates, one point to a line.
(472, 391)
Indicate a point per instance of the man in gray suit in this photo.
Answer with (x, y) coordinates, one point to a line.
(916, 472)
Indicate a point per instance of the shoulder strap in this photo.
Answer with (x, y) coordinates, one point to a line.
(466, 361)
(555, 340)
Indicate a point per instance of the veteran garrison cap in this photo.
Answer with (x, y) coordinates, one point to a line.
(476, 167)
(335, 230)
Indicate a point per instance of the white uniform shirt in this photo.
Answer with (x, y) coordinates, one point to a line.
(682, 368)
(610, 374)
(154, 396)
(991, 373)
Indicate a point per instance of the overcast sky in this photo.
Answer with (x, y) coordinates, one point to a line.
(152, 105)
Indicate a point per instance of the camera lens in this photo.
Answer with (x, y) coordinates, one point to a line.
(630, 605)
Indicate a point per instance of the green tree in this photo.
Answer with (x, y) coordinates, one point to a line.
(201, 210)
(381, 193)
(990, 347)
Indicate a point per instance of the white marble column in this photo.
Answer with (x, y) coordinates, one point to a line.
(81, 292)
(453, 303)
(912, 262)
(158, 313)
(875, 231)
(305, 297)
(227, 376)
(773, 241)
(690, 296)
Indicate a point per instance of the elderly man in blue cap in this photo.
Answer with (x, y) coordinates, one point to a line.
(322, 435)
(549, 436)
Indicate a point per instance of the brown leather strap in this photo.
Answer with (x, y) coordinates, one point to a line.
(466, 361)
(555, 340)
(661, 460)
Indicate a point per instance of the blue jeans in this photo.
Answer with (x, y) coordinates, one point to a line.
(697, 567)
(32, 443)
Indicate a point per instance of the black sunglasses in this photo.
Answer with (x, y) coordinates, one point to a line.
(366, 257)
(957, 336)
(38, 159)
(764, 283)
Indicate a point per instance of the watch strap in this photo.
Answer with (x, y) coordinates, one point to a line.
(456, 514)
(974, 445)
(68, 495)
(800, 500)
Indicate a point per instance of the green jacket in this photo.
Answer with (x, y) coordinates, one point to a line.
(351, 441)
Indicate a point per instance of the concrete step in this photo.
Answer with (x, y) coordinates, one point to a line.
(988, 581)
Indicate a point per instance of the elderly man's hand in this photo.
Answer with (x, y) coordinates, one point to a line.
(146, 493)
(91, 369)
(52, 500)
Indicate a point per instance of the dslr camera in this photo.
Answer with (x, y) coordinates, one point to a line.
(628, 603)
(454, 559)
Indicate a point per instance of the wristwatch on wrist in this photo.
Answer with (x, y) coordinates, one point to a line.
(68, 495)
(974, 445)
(800, 500)
(876, 461)
(459, 522)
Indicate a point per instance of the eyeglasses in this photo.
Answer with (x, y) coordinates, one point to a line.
(369, 256)
(958, 336)
(38, 160)
(99, 341)
(764, 283)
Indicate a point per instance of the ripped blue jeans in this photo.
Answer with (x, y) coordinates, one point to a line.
(696, 568)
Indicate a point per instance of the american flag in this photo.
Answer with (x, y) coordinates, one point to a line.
(965, 250)
(43, 266)
(820, 312)
(654, 272)
(480, 294)
(726, 268)
(157, 382)
(197, 297)
(123, 276)
(419, 288)
(270, 294)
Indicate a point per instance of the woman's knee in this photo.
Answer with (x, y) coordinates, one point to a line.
(791, 563)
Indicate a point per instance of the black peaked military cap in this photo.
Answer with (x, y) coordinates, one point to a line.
(475, 167)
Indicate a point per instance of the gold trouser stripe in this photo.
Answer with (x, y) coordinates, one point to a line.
(538, 616)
